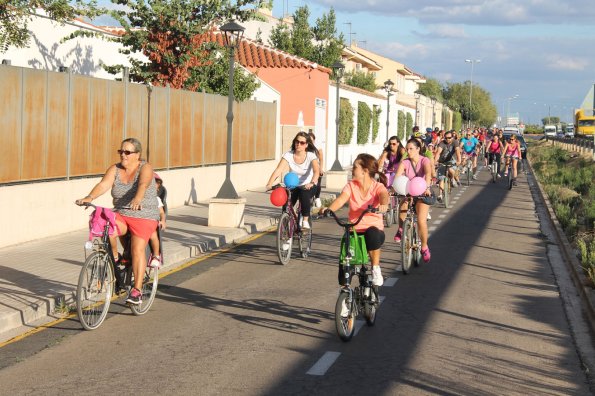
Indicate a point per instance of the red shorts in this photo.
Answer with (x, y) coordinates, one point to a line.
(142, 228)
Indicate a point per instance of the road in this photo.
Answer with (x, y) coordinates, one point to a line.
(484, 317)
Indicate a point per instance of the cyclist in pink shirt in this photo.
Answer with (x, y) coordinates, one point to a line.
(362, 191)
(512, 150)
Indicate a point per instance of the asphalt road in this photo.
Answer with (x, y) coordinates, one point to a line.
(484, 317)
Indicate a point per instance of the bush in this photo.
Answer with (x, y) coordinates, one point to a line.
(345, 121)
(364, 121)
(363, 80)
(401, 125)
(376, 122)
(586, 247)
(409, 122)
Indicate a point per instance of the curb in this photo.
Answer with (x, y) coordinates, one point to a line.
(45, 308)
(576, 271)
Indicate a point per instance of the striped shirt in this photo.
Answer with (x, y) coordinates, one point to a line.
(123, 193)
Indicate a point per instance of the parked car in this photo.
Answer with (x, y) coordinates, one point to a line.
(520, 138)
(511, 129)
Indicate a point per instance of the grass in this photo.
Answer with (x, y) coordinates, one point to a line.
(568, 181)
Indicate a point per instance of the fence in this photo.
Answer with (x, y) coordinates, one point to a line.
(61, 125)
(581, 145)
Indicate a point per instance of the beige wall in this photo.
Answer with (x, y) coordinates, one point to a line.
(40, 210)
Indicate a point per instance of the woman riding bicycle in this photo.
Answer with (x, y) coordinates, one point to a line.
(495, 152)
(302, 160)
(362, 191)
(134, 195)
(416, 165)
(512, 151)
(390, 158)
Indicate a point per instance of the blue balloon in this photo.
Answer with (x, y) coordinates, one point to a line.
(291, 180)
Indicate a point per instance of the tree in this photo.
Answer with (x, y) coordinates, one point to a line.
(401, 124)
(431, 89)
(16, 14)
(550, 120)
(345, 121)
(364, 121)
(174, 36)
(409, 122)
(319, 44)
(361, 80)
(482, 112)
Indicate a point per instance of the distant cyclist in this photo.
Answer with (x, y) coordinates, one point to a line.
(448, 153)
(390, 158)
(470, 145)
(512, 151)
(494, 151)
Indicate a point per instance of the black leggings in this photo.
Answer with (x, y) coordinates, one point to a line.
(497, 157)
(304, 196)
(318, 188)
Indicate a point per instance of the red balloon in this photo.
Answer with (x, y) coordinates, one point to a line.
(279, 196)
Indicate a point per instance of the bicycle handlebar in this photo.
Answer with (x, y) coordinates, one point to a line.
(329, 212)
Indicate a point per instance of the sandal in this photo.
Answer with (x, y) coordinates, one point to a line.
(425, 254)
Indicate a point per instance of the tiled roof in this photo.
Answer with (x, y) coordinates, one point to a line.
(256, 55)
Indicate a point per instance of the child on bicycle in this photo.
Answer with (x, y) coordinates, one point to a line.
(362, 191)
(154, 239)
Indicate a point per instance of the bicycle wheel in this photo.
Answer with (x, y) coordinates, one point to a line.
(148, 290)
(345, 324)
(94, 290)
(305, 240)
(284, 239)
(510, 176)
(370, 306)
(406, 246)
(494, 171)
(416, 243)
(447, 187)
(469, 170)
(389, 215)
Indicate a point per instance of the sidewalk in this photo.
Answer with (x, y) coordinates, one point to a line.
(39, 276)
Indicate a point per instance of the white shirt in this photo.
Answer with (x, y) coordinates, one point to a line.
(304, 171)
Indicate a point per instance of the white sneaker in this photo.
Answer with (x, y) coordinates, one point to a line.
(306, 225)
(344, 309)
(317, 203)
(453, 182)
(155, 262)
(377, 279)
(429, 216)
(285, 246)
(474, 177)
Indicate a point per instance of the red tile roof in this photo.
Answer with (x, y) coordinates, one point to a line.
(255, 55)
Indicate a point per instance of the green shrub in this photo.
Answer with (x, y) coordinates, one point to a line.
(586, 246)
(376, 122)
(409, 122)
(363, 80)
(364, 121)
(345, 121)
(401, 125)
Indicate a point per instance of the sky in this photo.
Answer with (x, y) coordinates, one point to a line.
(539, 53)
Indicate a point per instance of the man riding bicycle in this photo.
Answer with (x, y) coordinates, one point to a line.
(470, 145)
(448, 153)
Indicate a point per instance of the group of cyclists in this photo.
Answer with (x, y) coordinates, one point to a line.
(436, 155)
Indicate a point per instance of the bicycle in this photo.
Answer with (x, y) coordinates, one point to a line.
(391, 211)
(288, 227)
(510, 179)
(447, 182)
(100, 280)
(468, 169)
(362, 298)
(494, 169)
(410, 241)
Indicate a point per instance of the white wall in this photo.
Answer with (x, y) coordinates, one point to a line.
(347, 153)
(83, 55)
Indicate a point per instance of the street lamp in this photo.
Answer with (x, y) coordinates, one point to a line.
(473, 62)
(388, 86)
(433, 112)
(417, 96)
(233, 36)
(338, 68)
(508, 108)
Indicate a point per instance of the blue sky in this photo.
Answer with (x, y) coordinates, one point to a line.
(540, 50)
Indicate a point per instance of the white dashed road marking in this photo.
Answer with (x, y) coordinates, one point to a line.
(324, 363)
(390, 282)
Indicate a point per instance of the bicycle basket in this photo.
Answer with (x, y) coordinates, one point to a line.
(359, 252)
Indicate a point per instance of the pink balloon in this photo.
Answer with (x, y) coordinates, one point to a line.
(417, 186)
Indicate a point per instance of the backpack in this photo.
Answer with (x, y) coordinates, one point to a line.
(98, 219)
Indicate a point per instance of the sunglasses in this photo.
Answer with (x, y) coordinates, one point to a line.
(301, 142)
(126, 152)
(394, 144)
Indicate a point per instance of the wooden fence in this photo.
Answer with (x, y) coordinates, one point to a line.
(61, 125)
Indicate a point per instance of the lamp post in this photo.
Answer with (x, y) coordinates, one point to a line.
(508, 108)
(473, 62)
(338, 68)
(233, 36)
(388, 86)
(416, 108)
(433, 111)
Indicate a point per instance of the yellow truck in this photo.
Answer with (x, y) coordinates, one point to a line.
(584, 125)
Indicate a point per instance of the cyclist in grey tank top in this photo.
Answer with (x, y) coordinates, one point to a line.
(123, 193)
(135, 200)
